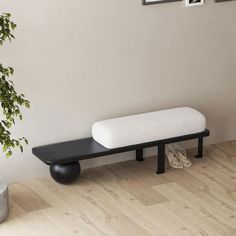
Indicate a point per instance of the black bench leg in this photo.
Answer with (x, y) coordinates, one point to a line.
(200, 148)
(161, 159)
(65, 173)
(139, 155)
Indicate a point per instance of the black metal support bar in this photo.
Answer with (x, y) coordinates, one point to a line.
(161, 158)
(139, 155)
(63, 157)
(200, 148)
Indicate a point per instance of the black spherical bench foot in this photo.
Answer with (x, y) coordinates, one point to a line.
(65, 173)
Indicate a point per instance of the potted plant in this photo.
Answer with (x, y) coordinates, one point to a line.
(11, 103)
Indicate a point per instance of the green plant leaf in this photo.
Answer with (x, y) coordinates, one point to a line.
(11, 102)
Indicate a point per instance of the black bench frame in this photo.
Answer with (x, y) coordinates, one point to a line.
(64, 158)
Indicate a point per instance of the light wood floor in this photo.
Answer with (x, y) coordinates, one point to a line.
(130, 199)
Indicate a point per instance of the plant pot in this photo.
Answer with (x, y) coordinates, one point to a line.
(4, 207)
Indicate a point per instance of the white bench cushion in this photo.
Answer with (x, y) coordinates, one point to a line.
(147, 127)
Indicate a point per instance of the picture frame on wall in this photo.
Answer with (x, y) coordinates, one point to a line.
(150, 2)
(218, 1)
(194, 3)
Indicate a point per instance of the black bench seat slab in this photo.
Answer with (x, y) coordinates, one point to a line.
(74, 150)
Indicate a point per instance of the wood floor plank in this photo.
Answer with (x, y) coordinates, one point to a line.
(27, 198)
(138, 183)
(109, 184)
(165, 226)
(99, 209)
(196, 212)
(74, 220)
(130, 199)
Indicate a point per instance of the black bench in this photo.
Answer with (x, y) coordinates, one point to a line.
(64, 158)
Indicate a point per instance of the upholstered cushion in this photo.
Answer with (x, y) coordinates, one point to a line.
(147, 127)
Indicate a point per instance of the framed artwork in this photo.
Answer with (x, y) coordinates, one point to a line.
(223, 0)
(149, 2)
(194, 3)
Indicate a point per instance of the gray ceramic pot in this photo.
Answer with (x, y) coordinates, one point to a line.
(4, 207)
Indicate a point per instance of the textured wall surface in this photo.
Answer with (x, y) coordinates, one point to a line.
(83, 61)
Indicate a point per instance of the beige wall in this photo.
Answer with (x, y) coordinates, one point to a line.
(80, 61)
